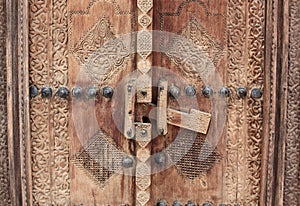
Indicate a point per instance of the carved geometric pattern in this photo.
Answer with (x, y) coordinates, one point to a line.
(143, 131)
(145, 5)
(145, 20)
(100, 33)
(106, 61)
(4, 166)
(144, 66)
(191, 165)
(144, 46)
(142, 198)
(99, 159)
(183, 53)
(292, 168)
(195, 32)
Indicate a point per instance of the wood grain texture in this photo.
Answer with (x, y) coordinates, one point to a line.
(93, 30)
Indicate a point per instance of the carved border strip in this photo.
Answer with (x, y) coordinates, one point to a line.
(292, 161)
(255, 78)
(59, 106)
(39, 21)
(49, 117)
(4, 165)
(236, 77)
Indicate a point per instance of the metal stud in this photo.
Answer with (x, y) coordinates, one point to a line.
(224, 92)
(190, 91)
(242, 92)
(174, 91)
(107, 92)
(144, 132)
(161, 203)
(176, 203)
(77, 91)
(256, 93)
(161, 131)
(160, 158)
(129, 88)
(144, 92)
(62, 92)
(190, 203)
(130, 133)
(33, 90)
(46, 92)
(207, 91)
(91, 92)
(206, 204)
(127, 162)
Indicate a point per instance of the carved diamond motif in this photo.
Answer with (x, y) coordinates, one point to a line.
(145, 5)
(143, 197)
(145, 20)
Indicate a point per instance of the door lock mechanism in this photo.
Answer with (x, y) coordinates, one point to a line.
(193, 120)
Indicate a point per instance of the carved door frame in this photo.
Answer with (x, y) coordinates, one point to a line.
(280, 180)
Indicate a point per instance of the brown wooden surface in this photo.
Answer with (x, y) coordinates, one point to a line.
(258, 162)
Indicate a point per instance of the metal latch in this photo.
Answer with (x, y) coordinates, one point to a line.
(193, 120)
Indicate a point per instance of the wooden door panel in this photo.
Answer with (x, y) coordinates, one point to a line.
(89, 30)
(73, 45)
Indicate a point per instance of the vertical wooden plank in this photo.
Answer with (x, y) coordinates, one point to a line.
(4, 164)
(18, 99)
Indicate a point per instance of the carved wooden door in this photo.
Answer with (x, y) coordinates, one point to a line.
(146, 102)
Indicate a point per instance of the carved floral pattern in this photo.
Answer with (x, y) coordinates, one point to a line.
(49, 118)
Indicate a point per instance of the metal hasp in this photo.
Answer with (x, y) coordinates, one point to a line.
(129, 94)
(195, 120)
(162, 101)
